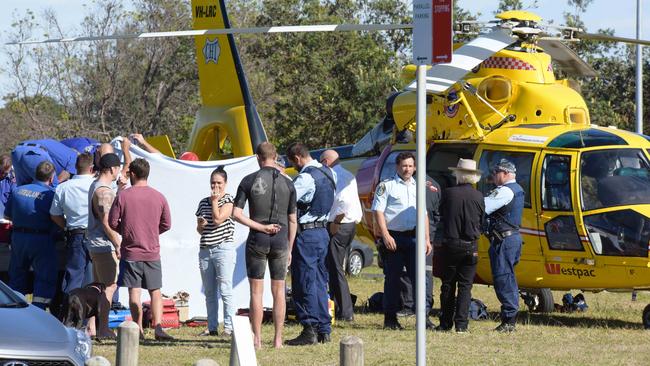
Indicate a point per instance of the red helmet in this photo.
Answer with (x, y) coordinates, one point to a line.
(189, 155)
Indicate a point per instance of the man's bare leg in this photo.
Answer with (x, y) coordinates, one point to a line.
(102, 316)
(279, 310)
(156, 310)
(256, 312)
(136, 307)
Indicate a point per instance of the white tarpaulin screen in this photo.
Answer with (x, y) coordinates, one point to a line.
(184, 184)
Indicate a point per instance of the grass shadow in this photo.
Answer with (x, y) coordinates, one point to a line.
(577, 320)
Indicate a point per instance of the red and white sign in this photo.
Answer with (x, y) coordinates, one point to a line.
(432, 31)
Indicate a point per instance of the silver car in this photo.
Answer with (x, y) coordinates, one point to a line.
(31, 336)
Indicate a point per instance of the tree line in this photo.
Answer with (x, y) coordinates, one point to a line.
(325, 89)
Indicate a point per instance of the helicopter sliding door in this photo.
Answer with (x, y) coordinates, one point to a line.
(568, 259)
(525, 160)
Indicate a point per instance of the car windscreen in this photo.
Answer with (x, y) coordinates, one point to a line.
(614, 177)
(8, 298)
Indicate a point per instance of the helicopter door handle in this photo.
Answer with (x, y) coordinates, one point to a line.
(585, 261)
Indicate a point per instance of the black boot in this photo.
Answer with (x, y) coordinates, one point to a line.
(507, 325)
(390, 322)
(324, 338)
(306, 337)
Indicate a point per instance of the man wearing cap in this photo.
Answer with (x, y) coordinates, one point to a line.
(462, 211)
(395, 214)
(102, 242)
(504, 206)
(32, 240)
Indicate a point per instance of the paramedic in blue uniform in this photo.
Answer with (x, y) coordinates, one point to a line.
(28, 154)
(315, 187)
(504, 206)
(32, 242)
(396, 217)
(82, 144)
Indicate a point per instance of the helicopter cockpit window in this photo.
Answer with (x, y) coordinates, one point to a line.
(586, 138)
(388, 169)
(614, 178)
(443, 156)
(562, 234)
(523, 161)
(620, 233)
(556, 187)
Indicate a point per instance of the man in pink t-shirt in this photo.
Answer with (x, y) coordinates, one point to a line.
(140, 214)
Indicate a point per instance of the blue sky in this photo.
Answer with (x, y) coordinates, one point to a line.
(601, 14)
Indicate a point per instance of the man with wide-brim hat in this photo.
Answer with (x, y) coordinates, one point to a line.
(504, 206)
(462, 209)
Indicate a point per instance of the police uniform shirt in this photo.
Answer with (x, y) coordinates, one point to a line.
(71, 201)
(396, 198)
(29, 206)
(462, 210)
(499, 197)
(305, 189)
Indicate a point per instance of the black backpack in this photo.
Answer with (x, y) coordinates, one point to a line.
(478, 310)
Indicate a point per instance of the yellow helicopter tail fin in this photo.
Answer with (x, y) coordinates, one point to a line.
(227, 124)
(163, 145)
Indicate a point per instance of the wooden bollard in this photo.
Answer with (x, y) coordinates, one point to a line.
(351, 351)
(128, 340)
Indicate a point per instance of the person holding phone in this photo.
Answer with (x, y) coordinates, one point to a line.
(217, 253)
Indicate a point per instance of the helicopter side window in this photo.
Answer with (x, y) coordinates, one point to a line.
(614, 177)
(523, 162)
(556, 188)
(388, 169)
(620, 233)
(562, 234)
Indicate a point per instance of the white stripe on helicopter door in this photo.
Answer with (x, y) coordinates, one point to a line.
(442, 76)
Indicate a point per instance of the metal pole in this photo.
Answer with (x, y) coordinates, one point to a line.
(639, 72)
(421, 149)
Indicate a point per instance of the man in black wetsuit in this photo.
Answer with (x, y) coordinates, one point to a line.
(272, 221)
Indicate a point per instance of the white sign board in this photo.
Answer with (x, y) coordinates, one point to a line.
(422, 32)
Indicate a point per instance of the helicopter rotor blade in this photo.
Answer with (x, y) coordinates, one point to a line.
(202, 32)
(442, 76)
(566, 58)
(606, 37)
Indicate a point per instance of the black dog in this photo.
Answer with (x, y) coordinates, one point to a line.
(83, 303)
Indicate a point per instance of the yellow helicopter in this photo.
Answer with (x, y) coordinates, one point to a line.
(586, 221)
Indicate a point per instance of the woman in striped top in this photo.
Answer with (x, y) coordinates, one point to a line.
(217, 253)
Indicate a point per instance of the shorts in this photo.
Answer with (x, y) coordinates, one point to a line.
(261, 247)
(140, 274)
(104, 267)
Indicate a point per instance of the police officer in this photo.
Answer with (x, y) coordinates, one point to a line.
(32, 242)
(315, 187)
(395, 214)
(462, 212)
(504, 206)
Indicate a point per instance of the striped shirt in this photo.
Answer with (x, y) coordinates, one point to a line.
(215, 234)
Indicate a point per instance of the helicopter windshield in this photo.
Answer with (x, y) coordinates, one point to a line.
(614, 177)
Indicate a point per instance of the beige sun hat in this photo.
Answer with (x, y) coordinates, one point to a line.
(466, 165)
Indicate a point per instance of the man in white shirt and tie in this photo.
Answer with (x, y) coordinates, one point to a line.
(343, 218)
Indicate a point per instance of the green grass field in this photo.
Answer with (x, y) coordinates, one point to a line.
(608, 333)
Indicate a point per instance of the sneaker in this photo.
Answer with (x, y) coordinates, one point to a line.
(505, 328)
(430, 325)
(227, 332)
(206, 333)
(462, 330)
(440, 328)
